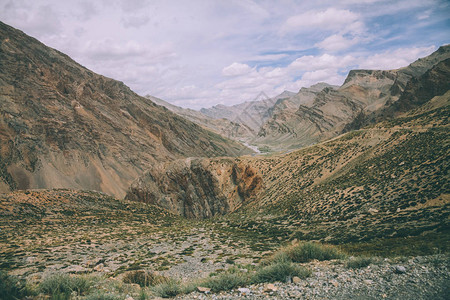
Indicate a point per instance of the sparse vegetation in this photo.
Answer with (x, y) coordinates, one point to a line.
(307, 251)
(169, 289)
(360, 262)
(226, 281)
(144, 278)
(11, 287)
(280, 271)
(60, 286)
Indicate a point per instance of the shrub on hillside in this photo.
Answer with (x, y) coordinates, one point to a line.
(360, 262)
(144, 278)
(168, 289)
(11, 287)
(60, 286)
(226, 281)
(305, 252)
(280, 271)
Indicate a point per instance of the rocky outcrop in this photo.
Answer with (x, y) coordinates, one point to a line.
(434, 82)
(198, 188)
(417, 91)
(63, 126)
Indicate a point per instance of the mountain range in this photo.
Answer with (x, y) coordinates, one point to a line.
(322, 111)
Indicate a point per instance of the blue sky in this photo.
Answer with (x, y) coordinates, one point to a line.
(201, 53)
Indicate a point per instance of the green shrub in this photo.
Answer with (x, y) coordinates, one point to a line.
(279, 257)
(60, 286)
(226, 281)
(281, 271)
(144, 278)
(360, 262)
(168, 289)
(304, 252)
(11, 287)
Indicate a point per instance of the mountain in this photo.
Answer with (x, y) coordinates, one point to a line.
(417, 91)
(224, 127)
(252, 114)
(334, 110)
(287, 128)
(62, 125)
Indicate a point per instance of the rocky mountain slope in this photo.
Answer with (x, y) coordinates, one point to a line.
(417, 91)
(251, 114)
(224, 127)
(62, 125)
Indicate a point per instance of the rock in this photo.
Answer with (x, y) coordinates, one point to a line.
(244, 291)
(334, 283)
(99, 267)
(202, 289)
(30, 259)
(296, 279)
(368, 281)
(270, 288)
(399, 270)
(373, 211)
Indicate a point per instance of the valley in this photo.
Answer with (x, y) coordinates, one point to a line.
(105, 194)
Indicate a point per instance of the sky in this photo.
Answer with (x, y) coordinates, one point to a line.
(199, 53)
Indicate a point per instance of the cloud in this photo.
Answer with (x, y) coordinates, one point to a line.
(336, 42)
(324, 61)
(108, 49)
(42, 21)
(393, 59)
(236, 69)
(86, 11)
(135, 21)
(331, 19)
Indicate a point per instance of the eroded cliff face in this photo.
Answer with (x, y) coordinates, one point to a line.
(198, 188)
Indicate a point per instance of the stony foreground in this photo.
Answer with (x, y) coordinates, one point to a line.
(424, 277)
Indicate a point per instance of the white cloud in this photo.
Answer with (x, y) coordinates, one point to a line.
(324, 61)
(394, 59)
(236, 69)
(135, 21)
(336, 42)
(330, 19)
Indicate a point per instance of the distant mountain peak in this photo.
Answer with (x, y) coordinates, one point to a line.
(261, 96)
